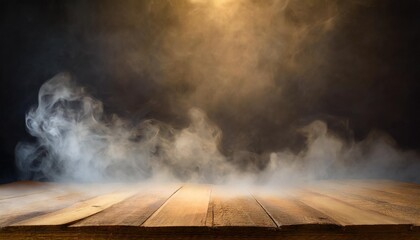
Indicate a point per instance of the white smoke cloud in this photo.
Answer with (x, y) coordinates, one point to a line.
(76, 140)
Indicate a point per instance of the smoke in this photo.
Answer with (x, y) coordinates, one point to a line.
(245, 63)
(76, 140)
(328, 156)
(216, 91)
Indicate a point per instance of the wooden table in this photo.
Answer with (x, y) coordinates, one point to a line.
(341, 209)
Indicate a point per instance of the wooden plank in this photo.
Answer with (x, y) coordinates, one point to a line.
(386, 182)
(401, 184)
(373, 194)
(237, 210)
(396, 188)
(78, 210)
(19, 208)
(187, 207)
(289, 212)
(132, 211)
(406, 214)
(229, 215)
(23, 188)
(342, 212)
(35, 205)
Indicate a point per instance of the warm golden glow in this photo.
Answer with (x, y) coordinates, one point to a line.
(216, 3)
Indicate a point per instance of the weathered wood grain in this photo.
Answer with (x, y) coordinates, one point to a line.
(373, 194)
(406, 214)
(399, 189)
(23, 188)
(77, 211)
(289, 212)
(58, 196)
(344, 213)
(381, 183)
(237, 210)
(19, 209)
(131, 212)
(341, 209)
(187, 207)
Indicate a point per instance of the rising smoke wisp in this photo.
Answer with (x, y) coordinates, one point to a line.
(76, 140)
(240, 74)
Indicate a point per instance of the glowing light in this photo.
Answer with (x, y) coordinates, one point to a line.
(215, 3)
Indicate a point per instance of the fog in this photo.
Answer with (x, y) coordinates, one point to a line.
(214, 91)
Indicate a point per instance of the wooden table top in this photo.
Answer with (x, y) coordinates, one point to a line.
(340, 209)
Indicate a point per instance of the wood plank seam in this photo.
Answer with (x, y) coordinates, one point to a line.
(317, 216)
(382, 196)
(373, 204)
(354, 212)
(163, 204)
(370, 188)
(348, 204)
(102, 218)
(61, 213)
(60, 198)
(212, 210)
(265, 210)
(188, 207)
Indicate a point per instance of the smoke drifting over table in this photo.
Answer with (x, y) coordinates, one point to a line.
(76, 141)
(222, 91)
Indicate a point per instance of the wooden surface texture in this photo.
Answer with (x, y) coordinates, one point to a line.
(341, 209)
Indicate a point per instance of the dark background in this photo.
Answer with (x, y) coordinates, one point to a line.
(372, 80)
